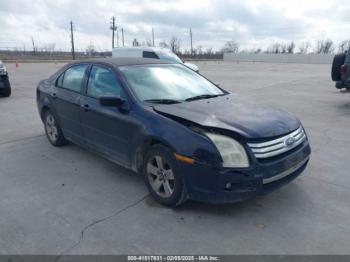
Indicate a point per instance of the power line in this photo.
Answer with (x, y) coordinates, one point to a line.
(261, 28)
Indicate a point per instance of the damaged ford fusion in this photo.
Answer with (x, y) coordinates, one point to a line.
(189, 138)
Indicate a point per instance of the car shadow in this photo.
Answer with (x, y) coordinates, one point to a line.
(2, 97)
(226, 209)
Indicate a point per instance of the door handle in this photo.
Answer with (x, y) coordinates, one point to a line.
(86, 107)
(53, 95)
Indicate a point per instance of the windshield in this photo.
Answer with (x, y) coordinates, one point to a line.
(168, 83)
(168, 56)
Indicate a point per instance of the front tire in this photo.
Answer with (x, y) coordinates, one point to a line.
(53, 131)
(162, 178)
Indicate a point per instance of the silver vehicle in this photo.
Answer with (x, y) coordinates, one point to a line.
(5, 87)
(151, 52)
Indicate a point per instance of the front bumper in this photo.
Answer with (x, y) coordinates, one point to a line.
(217, 185)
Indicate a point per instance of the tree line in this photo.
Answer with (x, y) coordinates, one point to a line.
(325, 46)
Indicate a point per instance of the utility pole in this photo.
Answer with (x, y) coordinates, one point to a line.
(117, 36)
(33, 46)
(152, 37)
(72, 39)
(123, 36)
(113, 28)
(191, 42)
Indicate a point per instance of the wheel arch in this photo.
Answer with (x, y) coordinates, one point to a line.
(43, 110)
(143, 147)
(46, 107)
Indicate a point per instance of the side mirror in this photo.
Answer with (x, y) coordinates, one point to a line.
(111, 101)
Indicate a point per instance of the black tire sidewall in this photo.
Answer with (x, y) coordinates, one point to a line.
(179, 194)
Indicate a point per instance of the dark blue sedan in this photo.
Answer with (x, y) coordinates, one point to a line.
(189, 138)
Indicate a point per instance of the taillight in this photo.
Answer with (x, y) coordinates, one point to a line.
(342, 69)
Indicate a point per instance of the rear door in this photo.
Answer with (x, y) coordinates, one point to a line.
(106, 129)
(66, 98)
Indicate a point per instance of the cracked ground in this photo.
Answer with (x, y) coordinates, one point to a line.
(70, 201)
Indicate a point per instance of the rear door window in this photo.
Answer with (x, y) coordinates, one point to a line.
(103, 82)
(72, 79)
(149, 54)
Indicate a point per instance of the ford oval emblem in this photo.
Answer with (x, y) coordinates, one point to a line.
(289, 141)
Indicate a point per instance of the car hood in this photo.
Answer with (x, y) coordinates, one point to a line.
(236, 113)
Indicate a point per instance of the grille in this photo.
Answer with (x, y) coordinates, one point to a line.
(278, 146)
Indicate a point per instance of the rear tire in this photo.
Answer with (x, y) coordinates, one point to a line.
(53, 130)
(338, 60)
(162, 178)
(6, 92)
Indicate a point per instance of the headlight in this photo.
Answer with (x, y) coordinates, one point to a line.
(232, 153)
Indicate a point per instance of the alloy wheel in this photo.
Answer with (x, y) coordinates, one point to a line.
(160, 176)
(51, 128)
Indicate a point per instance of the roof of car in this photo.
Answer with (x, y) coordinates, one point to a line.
(123, 61)
(142, 48)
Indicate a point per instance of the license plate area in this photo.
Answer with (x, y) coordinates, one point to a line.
(292, 167)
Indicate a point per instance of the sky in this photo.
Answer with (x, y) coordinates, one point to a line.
(252, 23)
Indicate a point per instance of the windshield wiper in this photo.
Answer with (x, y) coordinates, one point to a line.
(163, 101)
(200, 97)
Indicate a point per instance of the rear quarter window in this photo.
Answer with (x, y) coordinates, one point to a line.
(148, 54)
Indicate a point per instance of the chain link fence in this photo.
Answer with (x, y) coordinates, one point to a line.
(49, 54)
(15, 53)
